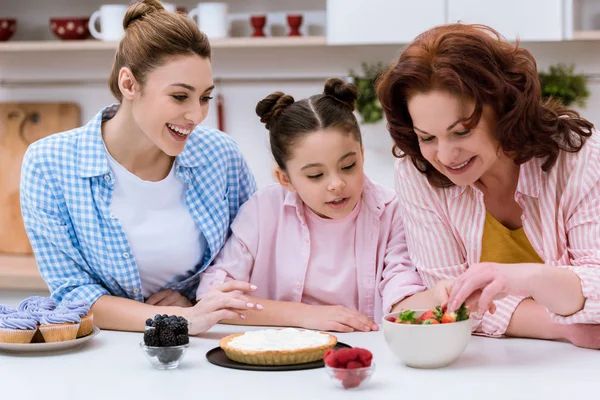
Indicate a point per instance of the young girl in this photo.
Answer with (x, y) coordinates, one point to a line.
(126, 211)
(325, 246)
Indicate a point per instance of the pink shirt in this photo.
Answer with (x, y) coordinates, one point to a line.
(561, 218)
(333, 244)
(271, 247)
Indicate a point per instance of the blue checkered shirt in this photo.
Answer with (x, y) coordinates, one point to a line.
(80, 248)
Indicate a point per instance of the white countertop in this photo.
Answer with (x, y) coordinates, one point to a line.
(112, 366)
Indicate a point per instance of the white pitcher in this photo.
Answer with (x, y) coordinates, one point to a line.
(211, 19)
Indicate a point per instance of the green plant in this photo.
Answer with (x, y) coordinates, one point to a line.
(367, 104)
(562, 83)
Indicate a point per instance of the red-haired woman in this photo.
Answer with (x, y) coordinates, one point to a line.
(500, 190)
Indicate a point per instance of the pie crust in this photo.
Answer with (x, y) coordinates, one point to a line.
(275, 357)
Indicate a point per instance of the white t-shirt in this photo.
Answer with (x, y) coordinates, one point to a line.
(165, 240)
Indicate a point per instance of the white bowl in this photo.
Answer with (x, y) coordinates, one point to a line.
(426, 346)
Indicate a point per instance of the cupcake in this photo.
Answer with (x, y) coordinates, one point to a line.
(81, 308)
(36, 307)
(4, 310)
(59, 325)
(17, 327)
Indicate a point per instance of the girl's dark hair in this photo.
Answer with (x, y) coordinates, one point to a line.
(289, 121)
(152, 35)
(475, 62)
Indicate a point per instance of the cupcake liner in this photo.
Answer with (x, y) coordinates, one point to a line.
(59, 332)
(87, 325)
(16, 335)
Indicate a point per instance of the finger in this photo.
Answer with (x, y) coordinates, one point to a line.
(339, 327)
(475, 282)
(354, 322)
(369, 324)
(488, 294)
(224, 314)
(236, 285)
(178, 300)
(227, 301)
(158, 297)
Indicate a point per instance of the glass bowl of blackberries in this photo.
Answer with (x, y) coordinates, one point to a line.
(166, 340)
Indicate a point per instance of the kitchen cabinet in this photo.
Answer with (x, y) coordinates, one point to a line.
(381, 21)
(527, 20)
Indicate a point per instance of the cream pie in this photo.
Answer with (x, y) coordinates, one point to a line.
(277, 346)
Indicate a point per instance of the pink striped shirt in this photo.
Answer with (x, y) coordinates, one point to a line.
(561, 218)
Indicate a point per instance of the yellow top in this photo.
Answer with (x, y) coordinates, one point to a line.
(502, 245)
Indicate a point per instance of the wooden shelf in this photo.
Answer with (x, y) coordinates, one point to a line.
(97, 45)
(20, 273)
(586, 35)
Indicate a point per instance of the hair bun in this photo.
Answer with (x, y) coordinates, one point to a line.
(139, 9)
(344, 92)
(269, 108)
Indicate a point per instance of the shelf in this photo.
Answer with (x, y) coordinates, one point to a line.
(97, 45)
(20, 273)
(586, 35)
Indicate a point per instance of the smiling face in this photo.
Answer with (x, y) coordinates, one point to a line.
(173, 101)
(326, 169)
(462, 155)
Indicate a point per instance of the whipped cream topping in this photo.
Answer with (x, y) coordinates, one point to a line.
(18, 320)
(279, 339)
(81, 308)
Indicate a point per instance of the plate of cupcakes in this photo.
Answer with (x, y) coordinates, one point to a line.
(39, 324)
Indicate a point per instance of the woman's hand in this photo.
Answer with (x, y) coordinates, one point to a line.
(485, 282)
(335, 318)
(221, 302)
(167, 298)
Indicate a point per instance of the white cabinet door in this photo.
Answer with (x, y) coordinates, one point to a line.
(381, 21)
(529, 20)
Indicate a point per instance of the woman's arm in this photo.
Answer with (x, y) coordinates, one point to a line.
(221, 302)
(120, 314)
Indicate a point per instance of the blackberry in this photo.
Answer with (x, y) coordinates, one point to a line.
(166, 337)
(182, 339)
(151, 338)
(166, 356)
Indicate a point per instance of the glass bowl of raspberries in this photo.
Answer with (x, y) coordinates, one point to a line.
(349, 368)
(165, 340)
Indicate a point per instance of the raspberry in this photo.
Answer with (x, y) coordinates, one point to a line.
(354, 365)
(346, 354)
(351, 382)
(365, 357)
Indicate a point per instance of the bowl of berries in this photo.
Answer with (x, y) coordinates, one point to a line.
(428, 338)
(166, 340)
(349, 368)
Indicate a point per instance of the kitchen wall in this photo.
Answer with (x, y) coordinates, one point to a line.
(246, 76)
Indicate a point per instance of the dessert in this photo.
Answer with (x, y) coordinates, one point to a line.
(81, 308)
(36, 307)
(17, 327)
(351, 366)
(438, 315)
(166, 338)
(277, 346)
(59, 325)
(5, 310)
